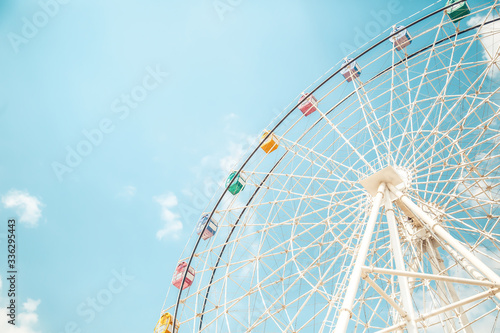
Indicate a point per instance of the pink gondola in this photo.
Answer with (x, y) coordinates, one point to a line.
(308, 106)
(179, 274)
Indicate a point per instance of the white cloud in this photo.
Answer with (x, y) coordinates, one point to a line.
(236, 152)
(464, 291)
(210, 174)
(228, 162)
(26, 317)
(237, 146)
(31, 305)
(230, 153)
(29, 318)
(127, 192)
(27, 207)
(490, 40)
(173, 225)
(229, 117)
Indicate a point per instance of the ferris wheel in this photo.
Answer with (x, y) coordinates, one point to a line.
(373, 205)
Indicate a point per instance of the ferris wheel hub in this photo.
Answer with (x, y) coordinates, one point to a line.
(388, 175)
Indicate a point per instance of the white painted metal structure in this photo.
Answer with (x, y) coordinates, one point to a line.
(380, 212)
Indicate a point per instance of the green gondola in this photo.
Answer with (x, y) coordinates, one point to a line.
(238, 185)
(458, 11)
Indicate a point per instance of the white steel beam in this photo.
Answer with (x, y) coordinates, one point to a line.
(352, 288)
(400, 264)
(484, 294)
(430, 276)
(382, 293)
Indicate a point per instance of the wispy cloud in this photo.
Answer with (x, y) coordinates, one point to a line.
(128, 192)
(490, 41)
(210, 174)
(486, 255)
(27, 206)
(26, 319)
(235, 152)
(173, 225)
(31, 305)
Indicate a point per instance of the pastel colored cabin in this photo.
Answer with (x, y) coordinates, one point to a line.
(307, 106)
(238, 185)
(166, 323)
(179, 274)
(351, 71)
(401, 39)
(271, 144)
(458, 11)
(210, 230)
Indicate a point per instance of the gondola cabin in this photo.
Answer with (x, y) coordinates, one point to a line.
(165, 324)
(307, 106)
(269, 145)
(401, 37)
(351, 71)
(237, 185)
(210, 230)
(179, 274)
(458, 11)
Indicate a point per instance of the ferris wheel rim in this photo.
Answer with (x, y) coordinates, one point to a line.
(280, 122)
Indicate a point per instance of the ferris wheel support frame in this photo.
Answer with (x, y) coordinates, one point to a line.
(352, 288)
(446, 287)
(386, 188)
(400, 264)
(439, 231)
(465, 301)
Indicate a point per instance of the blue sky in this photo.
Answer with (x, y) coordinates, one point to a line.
(99, 236)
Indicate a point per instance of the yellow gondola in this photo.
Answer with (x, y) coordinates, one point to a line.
(165, 324)
(271, 144)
